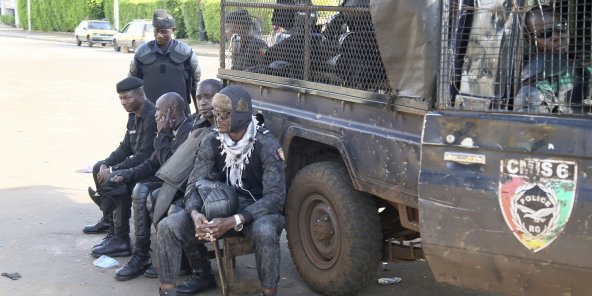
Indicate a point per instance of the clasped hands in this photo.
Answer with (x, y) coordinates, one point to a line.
(210, 230)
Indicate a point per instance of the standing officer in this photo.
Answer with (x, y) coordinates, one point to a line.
(250, 160)
(137, 145)
(166, 64)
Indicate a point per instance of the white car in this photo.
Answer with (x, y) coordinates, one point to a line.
(134, 34)
(94, 31)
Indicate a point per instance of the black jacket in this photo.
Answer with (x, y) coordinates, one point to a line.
(138, 142)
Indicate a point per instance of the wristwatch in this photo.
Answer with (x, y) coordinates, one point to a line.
(238, 226)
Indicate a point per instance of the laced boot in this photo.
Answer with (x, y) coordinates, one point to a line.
(202, 277)
(107, 237)
(118, 246)
(99, 227)
(136, 266)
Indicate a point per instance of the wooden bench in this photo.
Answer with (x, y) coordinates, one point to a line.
(233, 246)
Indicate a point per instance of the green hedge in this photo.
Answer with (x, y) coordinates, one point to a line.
(184, 12)
(211, 12)
(65, 15)
(59, 15)
(7, 19)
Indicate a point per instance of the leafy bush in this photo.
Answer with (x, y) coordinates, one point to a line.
(211, 13)
(7, 19)
(65, 15)
(59, 15)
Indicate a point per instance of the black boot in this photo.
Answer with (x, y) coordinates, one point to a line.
(100, 227)
(202, 277)
(197, 282)
(135, 267)
(118, 246)
(151, 272)
(104, 240)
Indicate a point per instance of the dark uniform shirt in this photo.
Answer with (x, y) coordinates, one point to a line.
(165, 144)
(173, 69)
(247, 52)
(263, 175)
(138, 142)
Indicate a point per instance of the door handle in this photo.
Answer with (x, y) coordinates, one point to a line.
(464, 158)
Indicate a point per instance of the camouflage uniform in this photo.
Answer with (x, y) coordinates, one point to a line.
(263, 177)
(547, 85)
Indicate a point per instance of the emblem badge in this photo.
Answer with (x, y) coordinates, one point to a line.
(536, 198)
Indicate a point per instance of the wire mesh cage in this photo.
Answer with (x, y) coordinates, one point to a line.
(324, 41)
(519, 56)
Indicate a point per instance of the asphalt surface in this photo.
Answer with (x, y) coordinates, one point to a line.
(201, 48)
(59, 114)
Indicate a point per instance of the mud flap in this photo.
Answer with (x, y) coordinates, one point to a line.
(505, 202)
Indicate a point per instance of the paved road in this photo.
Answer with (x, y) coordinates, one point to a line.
(60, 112)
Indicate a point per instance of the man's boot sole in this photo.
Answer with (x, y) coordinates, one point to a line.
(95, 232)
(200, 291)
(116, 254)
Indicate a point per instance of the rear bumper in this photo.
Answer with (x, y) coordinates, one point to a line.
(507, 275)
(102, 39)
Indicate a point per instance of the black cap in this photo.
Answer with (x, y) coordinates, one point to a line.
(129, 83)
(162, 19)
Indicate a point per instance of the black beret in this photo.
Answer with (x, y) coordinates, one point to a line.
(129, 83)
(162, 19)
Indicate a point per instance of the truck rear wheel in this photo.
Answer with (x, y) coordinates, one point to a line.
(333, 230)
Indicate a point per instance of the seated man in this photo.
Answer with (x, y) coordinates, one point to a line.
(168, 141)
(547, 81)
(137, 145)
(249, 159)
(171, 122)
(247, 50)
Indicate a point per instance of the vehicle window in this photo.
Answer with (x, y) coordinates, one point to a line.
(148, 27)
(125, 29)
(99, 25)
(534, 59)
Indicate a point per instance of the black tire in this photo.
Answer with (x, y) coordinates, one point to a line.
(90, 44)
(103, 44)
(333, 230)
(134, 45)
(78, 41)
(115, 46)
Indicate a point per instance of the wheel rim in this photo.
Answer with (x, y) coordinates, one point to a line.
(319, 231)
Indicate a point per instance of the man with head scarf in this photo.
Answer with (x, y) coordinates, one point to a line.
(166, 64)
(250, 160)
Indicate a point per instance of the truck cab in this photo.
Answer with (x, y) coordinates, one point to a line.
(427, 129)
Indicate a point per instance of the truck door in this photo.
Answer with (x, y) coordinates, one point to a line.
(505, 200)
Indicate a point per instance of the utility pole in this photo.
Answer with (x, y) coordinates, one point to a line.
(116, 14)
(29, 14)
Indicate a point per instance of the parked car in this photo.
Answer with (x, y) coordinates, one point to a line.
(94, 31)
(134, 34)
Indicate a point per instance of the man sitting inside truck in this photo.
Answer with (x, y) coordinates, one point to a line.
(547, 80)
(247, 50)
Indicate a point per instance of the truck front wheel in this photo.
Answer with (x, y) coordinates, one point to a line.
(333, 230)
